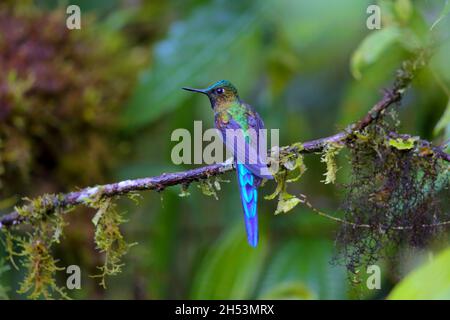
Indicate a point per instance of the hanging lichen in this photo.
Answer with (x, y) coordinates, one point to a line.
(184, 191)
(109, 239)
(329, 155)
(394, 190)
(8, 243)
(35, 252)
(41, 268)
(209, 187)
(60, 76)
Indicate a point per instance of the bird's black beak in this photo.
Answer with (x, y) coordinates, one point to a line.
(196, 90)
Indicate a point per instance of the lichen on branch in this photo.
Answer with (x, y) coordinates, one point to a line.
(109, 239)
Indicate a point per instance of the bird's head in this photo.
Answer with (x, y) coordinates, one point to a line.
(221, 93)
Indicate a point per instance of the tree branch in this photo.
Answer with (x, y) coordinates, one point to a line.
(159, 183)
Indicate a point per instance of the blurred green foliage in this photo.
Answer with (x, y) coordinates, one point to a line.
(230, 269)
(429, 281)
(3, 290)
(309, 68)
(59, 100)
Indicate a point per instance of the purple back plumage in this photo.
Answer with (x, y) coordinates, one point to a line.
(248, 184)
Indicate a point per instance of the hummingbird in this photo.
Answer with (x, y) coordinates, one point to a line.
(236, 119)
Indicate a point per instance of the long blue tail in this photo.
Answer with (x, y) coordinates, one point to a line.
(248, 184)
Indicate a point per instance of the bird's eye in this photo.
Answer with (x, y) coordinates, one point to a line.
(220, 91)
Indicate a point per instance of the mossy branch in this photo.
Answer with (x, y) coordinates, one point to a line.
(51, 202)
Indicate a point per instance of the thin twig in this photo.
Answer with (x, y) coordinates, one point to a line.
(305, 201)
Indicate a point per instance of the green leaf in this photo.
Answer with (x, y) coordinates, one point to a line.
(403, 144)
(230, 269)
(430, 281)
(444, 123)
(372, 47)
(286, 203)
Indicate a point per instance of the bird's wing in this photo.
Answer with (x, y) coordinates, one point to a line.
(245, 143)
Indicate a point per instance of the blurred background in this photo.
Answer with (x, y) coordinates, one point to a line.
(97, 105)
